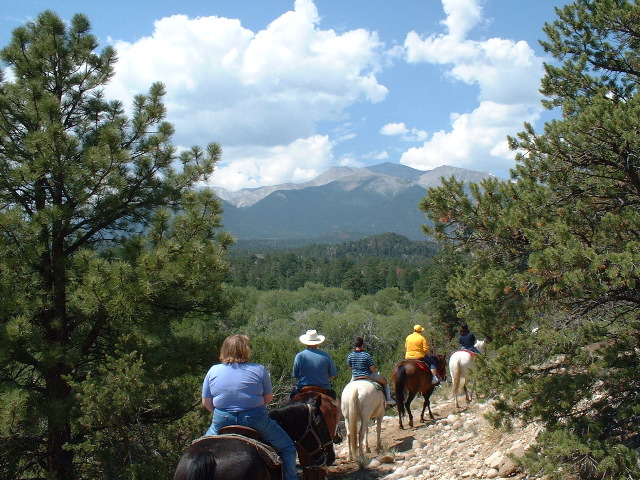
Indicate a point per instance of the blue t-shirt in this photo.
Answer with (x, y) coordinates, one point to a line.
(314, 367)
(360, 363)
(236, 387)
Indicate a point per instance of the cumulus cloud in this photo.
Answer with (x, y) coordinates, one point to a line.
(507, 74)
(265, 89)
(477, 138)
(248, 167)
(401, 130)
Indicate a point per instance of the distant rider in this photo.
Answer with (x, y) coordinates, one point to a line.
(467, 339)
(417, 348)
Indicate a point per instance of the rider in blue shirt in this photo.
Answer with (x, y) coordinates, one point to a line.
(237, 393)
(314, 367)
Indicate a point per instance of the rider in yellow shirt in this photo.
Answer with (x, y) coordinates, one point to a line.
(417, 348)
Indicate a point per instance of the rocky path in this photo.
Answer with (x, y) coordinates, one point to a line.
(458, 444)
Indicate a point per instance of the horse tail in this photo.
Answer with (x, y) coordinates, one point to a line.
(401, 376)
(454, 366)
(354, 411)
(203, 467)
(354, 414)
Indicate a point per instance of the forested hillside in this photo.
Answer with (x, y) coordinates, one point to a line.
(363, 267)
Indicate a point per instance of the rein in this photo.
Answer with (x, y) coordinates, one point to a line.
(321, 446)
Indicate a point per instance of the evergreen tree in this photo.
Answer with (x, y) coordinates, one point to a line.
(556, 251)
(106, 252)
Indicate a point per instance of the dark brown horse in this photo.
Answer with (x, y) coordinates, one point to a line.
(311, 468)
(415, 377)
(330, 407)
(228, 457)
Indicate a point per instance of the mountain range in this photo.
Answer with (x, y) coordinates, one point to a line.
(339, 205)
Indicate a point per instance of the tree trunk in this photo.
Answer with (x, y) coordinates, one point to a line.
(59, 459)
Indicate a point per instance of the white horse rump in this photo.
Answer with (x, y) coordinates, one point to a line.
(459, 363)
(362, 401)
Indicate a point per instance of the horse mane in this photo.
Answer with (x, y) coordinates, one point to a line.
(289, 411)
(202, 467)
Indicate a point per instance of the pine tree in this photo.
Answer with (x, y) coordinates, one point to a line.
(106, 250)
(554, 279)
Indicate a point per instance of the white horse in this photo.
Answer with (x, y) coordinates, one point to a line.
(362, 401)
(459, 363)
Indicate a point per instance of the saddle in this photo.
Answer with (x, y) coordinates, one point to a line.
(421, 363)
(252, 437)
(473, 354)
(378, 385)
(313, 389)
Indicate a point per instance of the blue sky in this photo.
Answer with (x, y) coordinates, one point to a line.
(293, 88)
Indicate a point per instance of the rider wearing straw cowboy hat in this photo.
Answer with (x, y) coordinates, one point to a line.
(418, 349)
(314, 367)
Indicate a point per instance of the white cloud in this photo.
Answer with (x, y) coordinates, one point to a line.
(507, 74)
(462, 16)
(401, 130)
(299, 161)
(477, 140)
(394, 129)
(228, 84)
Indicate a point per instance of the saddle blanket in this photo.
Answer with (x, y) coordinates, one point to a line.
(473, 354)
(421, 363)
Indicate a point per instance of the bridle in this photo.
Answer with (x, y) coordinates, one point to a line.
(321, 446)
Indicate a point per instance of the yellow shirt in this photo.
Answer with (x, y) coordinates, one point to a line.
(416, 346)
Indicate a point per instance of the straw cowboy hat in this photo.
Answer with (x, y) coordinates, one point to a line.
(311, 338)
(418, 328)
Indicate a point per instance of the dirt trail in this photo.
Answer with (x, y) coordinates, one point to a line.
(483, 440)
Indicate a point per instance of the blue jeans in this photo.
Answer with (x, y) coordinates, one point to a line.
(429, 360)
(271, 432)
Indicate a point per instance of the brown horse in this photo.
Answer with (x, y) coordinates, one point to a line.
(330, 407)
(415, 377)
(327, 406)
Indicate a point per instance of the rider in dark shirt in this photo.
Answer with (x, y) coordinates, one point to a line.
(467, 339)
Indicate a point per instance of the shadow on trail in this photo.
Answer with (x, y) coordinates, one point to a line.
(404, 444)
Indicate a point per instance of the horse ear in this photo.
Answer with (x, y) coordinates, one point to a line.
(318, 402)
